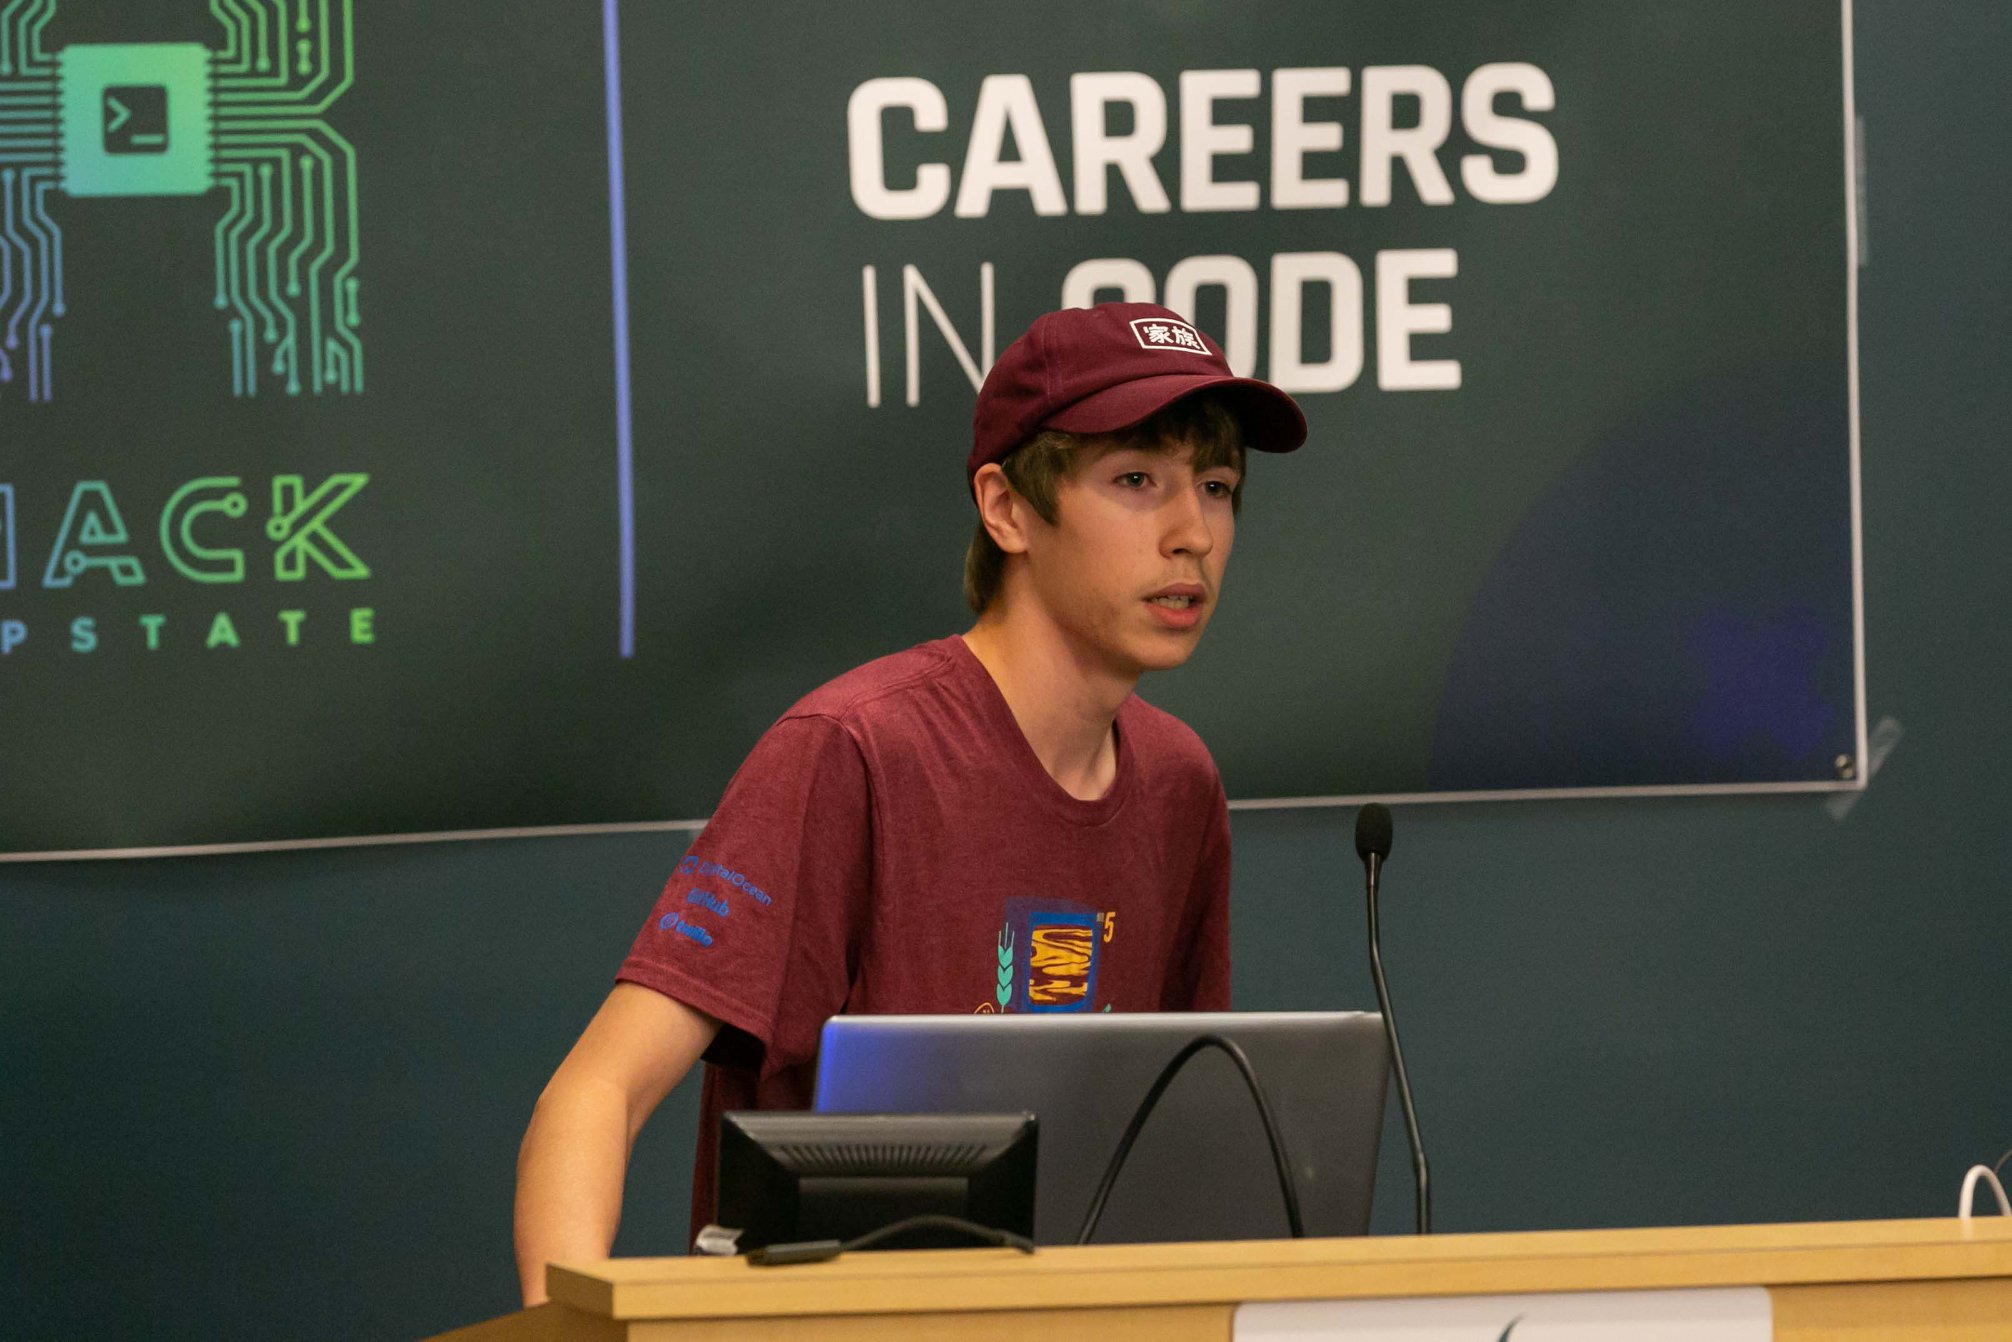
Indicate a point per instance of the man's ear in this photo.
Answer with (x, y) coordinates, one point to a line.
(1005, 514)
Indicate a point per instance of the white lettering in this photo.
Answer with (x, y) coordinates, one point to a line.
(1006, 102)
(1119, 119)
(1383, 142)
(1293, 137)
(1239, 283)
(1492, 130)
(1291, 272)
(1096, 150)
(869, 284)
(1398, 319)
(914, 290)
(866, 152)
(1203, 141)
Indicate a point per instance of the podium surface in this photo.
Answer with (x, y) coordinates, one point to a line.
(1905, 1280)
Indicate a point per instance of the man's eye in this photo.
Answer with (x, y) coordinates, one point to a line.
(1133, 479)
(1220, 489)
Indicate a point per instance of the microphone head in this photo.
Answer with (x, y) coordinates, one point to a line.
(1372, 831)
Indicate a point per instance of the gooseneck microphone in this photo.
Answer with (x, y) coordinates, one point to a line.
(1372, 845)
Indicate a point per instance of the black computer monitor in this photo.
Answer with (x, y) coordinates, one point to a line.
(787, 1177)
(1201, 1169)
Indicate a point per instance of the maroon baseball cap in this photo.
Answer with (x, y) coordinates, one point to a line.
(1106, 368)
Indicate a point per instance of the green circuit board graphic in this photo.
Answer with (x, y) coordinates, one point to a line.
(246, 121)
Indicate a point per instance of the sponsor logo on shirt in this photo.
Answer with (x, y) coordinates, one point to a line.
(706, 901)
(716, 902)
(671, 922)
(1047, 955)
(697, 866)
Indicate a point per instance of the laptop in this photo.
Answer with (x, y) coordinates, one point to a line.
(1201, 1169)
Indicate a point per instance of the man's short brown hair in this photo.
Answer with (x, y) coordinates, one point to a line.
(1037, 467)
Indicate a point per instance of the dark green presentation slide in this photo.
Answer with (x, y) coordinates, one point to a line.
(422, 418)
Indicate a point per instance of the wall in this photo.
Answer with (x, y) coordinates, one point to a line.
(280, 1096)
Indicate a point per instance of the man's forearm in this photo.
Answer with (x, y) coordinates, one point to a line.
(569, 1179)
(576, 1151)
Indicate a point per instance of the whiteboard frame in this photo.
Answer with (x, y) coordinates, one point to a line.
(1854, 261)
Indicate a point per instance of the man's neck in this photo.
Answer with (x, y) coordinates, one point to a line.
(1064, 704)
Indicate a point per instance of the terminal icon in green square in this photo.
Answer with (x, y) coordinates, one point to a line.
(136, 119)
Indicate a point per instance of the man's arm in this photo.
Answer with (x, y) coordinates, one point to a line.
(576, 1152)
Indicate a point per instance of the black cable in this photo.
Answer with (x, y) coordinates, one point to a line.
(1999, 1164)
(1145, 1109)
(1005, 1239)
(823, 1250)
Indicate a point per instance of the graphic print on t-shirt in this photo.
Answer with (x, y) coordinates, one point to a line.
(1047, 956)
(699, 900)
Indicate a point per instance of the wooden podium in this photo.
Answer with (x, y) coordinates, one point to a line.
(1896, 1281)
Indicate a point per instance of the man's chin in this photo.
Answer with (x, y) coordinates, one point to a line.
(1167, 653)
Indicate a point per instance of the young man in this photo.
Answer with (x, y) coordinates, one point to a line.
(991, 822)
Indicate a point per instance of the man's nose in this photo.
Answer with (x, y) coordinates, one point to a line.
(1187, 523)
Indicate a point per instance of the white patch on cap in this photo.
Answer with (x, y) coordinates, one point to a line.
(1169, 336)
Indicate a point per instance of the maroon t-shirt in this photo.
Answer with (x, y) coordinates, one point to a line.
(893, 845)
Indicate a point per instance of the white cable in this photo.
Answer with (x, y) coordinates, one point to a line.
(1967, 1199)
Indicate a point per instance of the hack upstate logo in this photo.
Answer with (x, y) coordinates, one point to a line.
(242, 121)
(204, 534)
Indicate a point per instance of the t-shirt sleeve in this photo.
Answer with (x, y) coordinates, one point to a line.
(1200, 980)
(760, 922)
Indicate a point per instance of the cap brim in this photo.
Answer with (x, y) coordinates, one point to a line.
(1271, 421)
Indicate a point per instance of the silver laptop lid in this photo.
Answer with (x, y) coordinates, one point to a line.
(1201, 1169)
